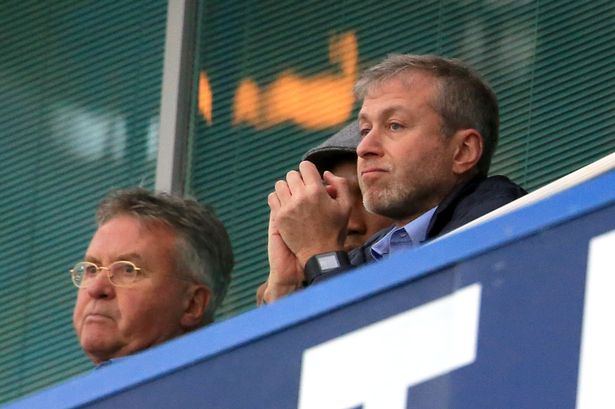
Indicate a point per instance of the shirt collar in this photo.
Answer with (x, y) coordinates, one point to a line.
(410, 235)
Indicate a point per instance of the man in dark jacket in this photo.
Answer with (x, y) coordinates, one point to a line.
(429, 127)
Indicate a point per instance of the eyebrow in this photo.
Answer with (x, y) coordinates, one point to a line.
(386, 112)
(127, 257)
(91, 259)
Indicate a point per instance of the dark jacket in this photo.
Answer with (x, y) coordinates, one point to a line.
(465, 203)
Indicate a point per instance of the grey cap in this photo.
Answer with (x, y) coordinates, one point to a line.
(342, 145)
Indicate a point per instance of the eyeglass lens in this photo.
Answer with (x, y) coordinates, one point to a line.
(120, 273)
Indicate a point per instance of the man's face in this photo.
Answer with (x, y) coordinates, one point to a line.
(361, 223)
(405, 163)
(115, 321)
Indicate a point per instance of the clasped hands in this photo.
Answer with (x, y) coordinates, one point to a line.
(308, 216)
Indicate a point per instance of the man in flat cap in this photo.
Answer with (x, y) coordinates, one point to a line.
(338, 155)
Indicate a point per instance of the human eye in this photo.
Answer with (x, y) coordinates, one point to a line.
(83, 272)
(88, 269)
(364, 130)
(124, 272)
(395, 126)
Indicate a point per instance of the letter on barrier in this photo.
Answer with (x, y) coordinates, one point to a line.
(597, 360)
(374, 366)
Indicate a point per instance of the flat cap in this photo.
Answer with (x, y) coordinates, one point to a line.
(342, 145)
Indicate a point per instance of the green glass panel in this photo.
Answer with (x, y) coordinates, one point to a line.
(80, 93)
(550, 62)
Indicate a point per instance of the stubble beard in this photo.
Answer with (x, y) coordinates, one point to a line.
(398, 201)
(394, 200)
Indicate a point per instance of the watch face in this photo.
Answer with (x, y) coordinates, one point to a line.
(328, 261)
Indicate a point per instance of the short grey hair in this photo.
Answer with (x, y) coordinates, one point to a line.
(464, 99)
(203, 247)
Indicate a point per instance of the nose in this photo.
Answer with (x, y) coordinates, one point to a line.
(370, 145)
(355, 224)
(100, 286)
(356, 227)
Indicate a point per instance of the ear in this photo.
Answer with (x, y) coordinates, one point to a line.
(198, 298)
(468, 150)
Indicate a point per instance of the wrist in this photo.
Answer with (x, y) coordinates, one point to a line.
(304, 256)
(276, 291)
(324, 263)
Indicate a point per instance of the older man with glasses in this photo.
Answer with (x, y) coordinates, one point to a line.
(157, 267)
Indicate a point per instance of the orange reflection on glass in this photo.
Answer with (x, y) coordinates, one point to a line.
(205, 97)
(315, 102)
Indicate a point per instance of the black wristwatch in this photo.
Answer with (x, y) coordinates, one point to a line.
(323, 263)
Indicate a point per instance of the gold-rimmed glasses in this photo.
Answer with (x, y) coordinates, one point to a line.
(120, 273)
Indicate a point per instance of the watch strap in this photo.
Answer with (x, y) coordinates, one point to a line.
(323, 263)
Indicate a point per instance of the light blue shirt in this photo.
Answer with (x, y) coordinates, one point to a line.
(410, 235)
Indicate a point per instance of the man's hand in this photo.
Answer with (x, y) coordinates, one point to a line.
(285, 272)
(311, 217)
(260, 294)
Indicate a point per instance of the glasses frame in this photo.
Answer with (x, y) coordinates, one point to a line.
(109, 275)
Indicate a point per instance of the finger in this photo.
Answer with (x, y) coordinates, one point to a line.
(282, 191)
(337, 187)
(272, 228)
(331, 191)
(273, 202)
(294, 181)
(310, 174)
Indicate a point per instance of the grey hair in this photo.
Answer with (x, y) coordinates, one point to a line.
(464, 99)
(203, 247)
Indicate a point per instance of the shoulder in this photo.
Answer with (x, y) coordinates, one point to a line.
(486, 194)
(498, 186)
(475, 198)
